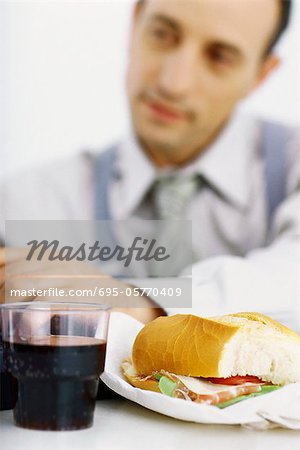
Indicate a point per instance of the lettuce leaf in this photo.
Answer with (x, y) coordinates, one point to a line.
(166, 386)
(264, 390)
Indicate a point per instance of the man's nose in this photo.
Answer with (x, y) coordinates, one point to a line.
(178, 72)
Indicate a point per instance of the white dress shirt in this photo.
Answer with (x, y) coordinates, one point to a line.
(242, 262)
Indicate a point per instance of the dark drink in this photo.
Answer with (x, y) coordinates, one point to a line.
(58, 379)
(8, 385)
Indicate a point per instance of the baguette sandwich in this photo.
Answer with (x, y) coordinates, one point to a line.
(218, 361)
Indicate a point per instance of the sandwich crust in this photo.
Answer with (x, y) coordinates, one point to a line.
(265, 320)
(136, 380)
(182, 344)
(241, 344)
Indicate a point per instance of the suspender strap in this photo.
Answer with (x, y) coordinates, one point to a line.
(274, 144)
(104, 173)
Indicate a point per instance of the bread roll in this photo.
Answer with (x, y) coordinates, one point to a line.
(235, 344)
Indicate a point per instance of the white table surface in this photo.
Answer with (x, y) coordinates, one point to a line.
(120, 424)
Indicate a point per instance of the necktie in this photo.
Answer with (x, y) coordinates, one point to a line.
(172, 194)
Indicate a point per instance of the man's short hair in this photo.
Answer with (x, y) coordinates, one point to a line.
(285, 14)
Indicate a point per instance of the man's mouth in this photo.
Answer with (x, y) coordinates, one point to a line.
(164, 113)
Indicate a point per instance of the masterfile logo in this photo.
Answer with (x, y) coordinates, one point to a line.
(140, 250)
(114, 262)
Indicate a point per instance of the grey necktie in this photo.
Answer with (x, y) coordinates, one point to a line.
(172, 195)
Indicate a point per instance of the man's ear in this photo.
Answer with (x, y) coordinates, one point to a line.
(137, 9)
(270, 63)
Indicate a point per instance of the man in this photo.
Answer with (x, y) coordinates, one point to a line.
(190, 64)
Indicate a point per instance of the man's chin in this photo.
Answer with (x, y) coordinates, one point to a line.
(162, 152)
(162, 138)
(158, 144)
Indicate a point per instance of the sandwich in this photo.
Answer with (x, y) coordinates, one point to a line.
(216, 361)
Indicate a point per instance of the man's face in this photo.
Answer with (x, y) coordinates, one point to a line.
(190, 62)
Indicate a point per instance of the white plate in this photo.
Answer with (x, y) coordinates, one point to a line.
(279, 408)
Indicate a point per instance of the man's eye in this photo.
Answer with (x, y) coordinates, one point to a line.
(162, 36)
(221, 57)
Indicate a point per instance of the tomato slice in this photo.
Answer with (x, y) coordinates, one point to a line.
(235, 380)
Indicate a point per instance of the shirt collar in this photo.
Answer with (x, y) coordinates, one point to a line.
(136, 172)
(225, 165)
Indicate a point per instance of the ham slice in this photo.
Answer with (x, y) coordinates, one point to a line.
(202, 391)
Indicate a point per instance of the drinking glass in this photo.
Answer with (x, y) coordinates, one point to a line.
(56, 352)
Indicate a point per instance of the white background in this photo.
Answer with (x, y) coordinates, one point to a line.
(62, 78)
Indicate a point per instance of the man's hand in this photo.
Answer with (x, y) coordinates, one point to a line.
(19, 275)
